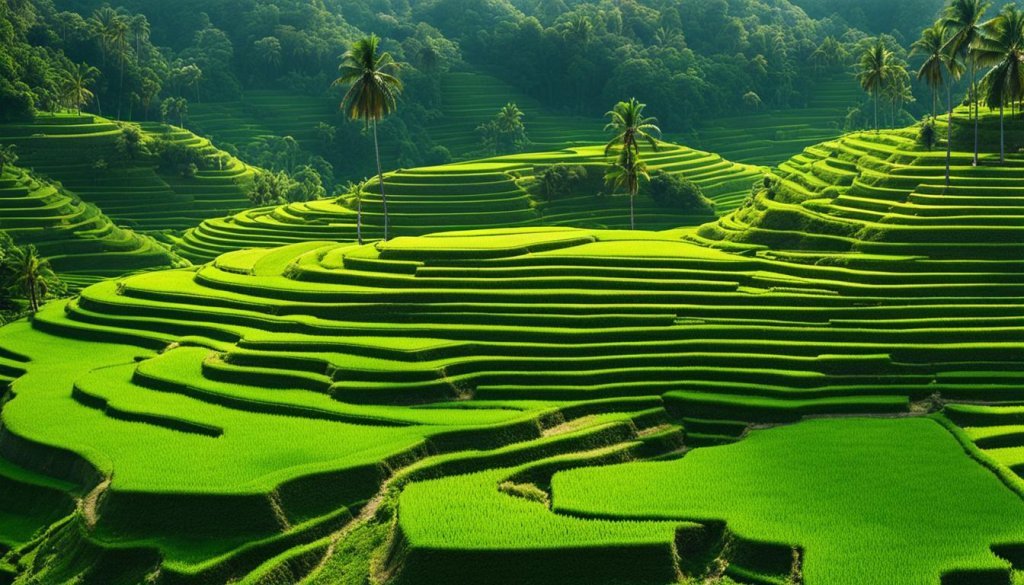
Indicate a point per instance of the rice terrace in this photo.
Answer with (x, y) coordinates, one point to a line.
(511, 292)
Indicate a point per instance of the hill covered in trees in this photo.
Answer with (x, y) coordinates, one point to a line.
(144, 60)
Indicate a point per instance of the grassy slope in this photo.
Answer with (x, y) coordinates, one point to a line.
(769, 137)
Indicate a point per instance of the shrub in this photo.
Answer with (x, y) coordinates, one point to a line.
(130, 145)
(561, 180)
(438, 155)
(927, 135)
(678, 192)
(174, 157)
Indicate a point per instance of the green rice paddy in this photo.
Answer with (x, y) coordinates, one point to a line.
(494, 193)
(81, 153)
(821, 386)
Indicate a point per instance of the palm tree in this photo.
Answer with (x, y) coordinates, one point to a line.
(139, 27)
(354, 191)
(963, 19)
(875, 70)
(627, 172)
(118, 38)
(372, 95)
(77, 80)
(898, 89)
(510, 124)
(931, 45)
(627, 120)
(268, 52)
(102, 21)
(8, 156)
(1002, 46)
(955, 69)
(631, 127)
(30, 273)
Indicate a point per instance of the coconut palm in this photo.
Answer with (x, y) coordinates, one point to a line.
(102, 21)
(631, 128)
(509, 122)
(954, 70)
(372, 95)
(8, 156)
(626, 173)
(30, 274)
(931, 46)
(118, 39)
(898, 90)
(1002, 46)
(875, 69)
(963, 19)
(268, 52)
(139, 28)
(77, 80)
(627, 120)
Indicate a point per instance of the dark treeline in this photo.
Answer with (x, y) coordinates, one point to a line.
(689, 59)
(901, 18)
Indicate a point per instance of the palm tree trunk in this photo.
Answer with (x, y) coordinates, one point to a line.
(120, 91)
(949, 132)
(1002, 136)
(876, 112)
(380, 180)
(632, 214)
(32, 303)
(977, 111)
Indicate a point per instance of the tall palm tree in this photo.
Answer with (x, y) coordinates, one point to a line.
(626, 173)
(118, 34)
(963, 19)
(31, 274)
(102, 21)
(931, 46)
(77, 80)
(875, 68)
(1002, 46)
(954, 69)
(139, 27)
(631, 128)
(372, 95)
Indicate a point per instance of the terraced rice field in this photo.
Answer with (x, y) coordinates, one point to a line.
(481, 400)
(769, 137)
(82, 244)
(264, 113)
(66, 148)
(476, 195)
(470, 99)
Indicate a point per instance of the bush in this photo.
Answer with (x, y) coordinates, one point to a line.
(678, 192)
(438, 155)
(927, 135)
(561, 180)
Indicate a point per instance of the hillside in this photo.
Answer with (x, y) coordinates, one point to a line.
(228, 421)
(770, 137)
(482, 194)
(82, 244)
(468, 99)
(82, 153)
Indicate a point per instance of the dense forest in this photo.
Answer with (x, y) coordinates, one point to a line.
(688, 59)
